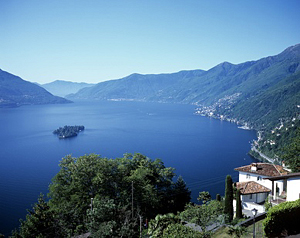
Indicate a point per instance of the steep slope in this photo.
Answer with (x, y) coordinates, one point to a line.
(202, 87)
(15, 91)
(243, 92)
(278, 102)
(135, 86)
(62, 88)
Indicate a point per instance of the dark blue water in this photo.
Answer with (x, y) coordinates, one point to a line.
(202, 150)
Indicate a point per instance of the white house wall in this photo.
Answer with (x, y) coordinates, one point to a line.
(293, 189)
(256, 198)
(265, 182)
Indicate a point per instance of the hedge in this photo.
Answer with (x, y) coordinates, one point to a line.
(283, 218)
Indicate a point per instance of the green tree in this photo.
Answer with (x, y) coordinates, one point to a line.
(292, 153)
(180, 230)
(202, 215)
(108, 219)
(218, 197)
(228, 206)
(204, 197)
(133, 185)
(40, 222)
(267, 204)
(181, 195)
(160, 223)
(239, 213)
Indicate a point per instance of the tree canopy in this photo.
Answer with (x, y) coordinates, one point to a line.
(91, 192)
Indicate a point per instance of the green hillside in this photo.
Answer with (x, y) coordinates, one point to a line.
(15, 91)
(260, 94)
(256, 92)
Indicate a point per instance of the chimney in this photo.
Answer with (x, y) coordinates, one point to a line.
(253, 167)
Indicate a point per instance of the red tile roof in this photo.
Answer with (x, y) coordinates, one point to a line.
(264, 169)
(251, 187)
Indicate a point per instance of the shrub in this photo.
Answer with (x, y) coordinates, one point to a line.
(283, 218)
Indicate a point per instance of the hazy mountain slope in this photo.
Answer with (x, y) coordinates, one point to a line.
(62, 88)
(135, 86)
(15, 91)
(266, 109)
(205, 87)
(233, 90)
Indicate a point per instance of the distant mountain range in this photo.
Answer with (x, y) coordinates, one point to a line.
(15, 91)
(62, 88)
(257, 93)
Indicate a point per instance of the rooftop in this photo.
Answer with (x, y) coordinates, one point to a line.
(285, 176)
(264, 169)
(251, 187)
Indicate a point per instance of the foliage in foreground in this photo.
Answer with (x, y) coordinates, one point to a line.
(211, 211)
(170, 225)
(283, 218)
(96, 194)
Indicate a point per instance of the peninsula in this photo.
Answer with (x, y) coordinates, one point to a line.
(68, 131)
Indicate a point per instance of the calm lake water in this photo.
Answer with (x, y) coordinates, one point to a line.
(201, 149)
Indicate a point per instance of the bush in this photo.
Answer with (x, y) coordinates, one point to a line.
(283, 218)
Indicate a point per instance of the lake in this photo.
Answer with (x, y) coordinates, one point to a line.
(201, 149)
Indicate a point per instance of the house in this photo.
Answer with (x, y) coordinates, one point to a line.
(255, 184)
(291, 188)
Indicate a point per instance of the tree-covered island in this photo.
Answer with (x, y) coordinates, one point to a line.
(68, 131)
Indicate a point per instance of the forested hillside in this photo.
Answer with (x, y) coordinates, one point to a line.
(15, 91)
(256, 92)
(260, 94)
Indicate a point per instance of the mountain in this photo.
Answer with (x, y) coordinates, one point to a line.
(135, 86)
(15, 91)
(244, 92)
(62, 88)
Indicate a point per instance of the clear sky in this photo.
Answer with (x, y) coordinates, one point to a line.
(96, 40)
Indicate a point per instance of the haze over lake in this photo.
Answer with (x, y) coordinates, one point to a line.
(201, 149)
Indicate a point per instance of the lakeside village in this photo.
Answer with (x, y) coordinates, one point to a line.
(226, 103)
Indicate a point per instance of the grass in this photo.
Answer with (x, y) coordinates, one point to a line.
(223, 231)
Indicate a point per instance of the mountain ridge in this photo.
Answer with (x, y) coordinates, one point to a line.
(14, 92)
(242, 81)
(62, 87)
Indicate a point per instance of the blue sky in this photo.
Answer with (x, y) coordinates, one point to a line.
(93, 41)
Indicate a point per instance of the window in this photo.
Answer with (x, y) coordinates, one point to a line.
(259, 178)
(248, 176)
(251, 196)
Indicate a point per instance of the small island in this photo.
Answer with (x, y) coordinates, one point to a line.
(68, 131)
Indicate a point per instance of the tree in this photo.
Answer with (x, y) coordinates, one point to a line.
(239, 213)
(292, 153)
(40, 222)
(204, 197)
(108, 219)
(202, 215)
(160, 223)
(228, 206)
(111, 183)
(218, 197)
(180, 230)
(181, 195)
